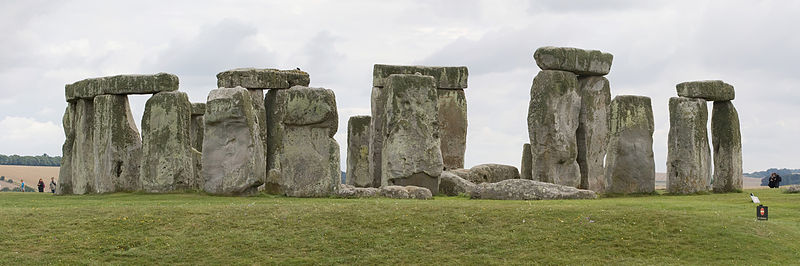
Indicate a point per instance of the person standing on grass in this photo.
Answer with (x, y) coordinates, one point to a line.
(52, 185)
(40, 185)
(23, 185)
(775, 180)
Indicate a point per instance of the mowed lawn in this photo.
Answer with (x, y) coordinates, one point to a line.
(39, 228)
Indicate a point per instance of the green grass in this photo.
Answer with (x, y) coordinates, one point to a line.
(38, 228)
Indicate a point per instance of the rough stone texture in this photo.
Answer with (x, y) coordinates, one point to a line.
(578, 61)
(525, 166)
(166, 157)
(121, 84)
(65, 171)
(378, 103)
(411, 152)
(727, 141)
(196, 129)
(792, 189)
(630, 167)
(592, 134)
(451, 184)
(83, 148)
(491, 173)
(302, 154)
(452, 106)
(358, 151)
(688, 154)
(523, 189)
(265, 78)
(406, 192)
(197, 181)
(199, 108)
(465, 174)
(117, 145)
(710, 90)
(552, 121)
(445, 77)
(348, 191)
(233, 153)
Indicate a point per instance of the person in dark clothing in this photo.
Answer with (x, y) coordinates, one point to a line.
(774, 180)
(40, 185)
(53, 185)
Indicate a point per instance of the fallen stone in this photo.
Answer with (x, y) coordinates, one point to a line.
(525, 166)
(358, 151)
(406, 192)
(451, 184)
(233, 154)
(523, 189)
(452, 106)
(592, 134)
(578, 61)
(121, 84)
(444, 77)
(348, 191)
(117, 145)
(256, 78)
(630, 167)
(166, 158)
(710, 90)
(491, 173)
(688, 154)
(552, 122)
(83, 148)
(727, 141)
(464, 174)
(65, 171)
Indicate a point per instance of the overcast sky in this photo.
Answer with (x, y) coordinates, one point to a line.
(753, 45)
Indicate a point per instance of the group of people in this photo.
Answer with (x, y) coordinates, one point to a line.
(774, 180)
(40, 186)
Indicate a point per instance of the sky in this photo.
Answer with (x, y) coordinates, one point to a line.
(752, 45)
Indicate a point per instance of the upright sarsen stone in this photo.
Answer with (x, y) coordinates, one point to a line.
(727, 141)
(411, 153)
(525, 170)
(688, 154)
(552, 121)
(166, 148)
(358, 151)
(65, 171)
(592, 134)
(630, 167)
(83, 148)
(196, 125)
(452, 106)
(117, 145)
(376, 136)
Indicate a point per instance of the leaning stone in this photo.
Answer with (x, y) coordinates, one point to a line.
(727, 141)
(406, 192)
(122, 84)
(166, 159)
(578, 61)
(255, 78)
(117, 145)
(411, 152)
(525, 166)
(358, 151)
(491, 173)
(592, 134)
(196, 127)
(630, 167)
(523, 189)
(552, 122)
(451, 184)
(65, 171)
(233, 154)
(348, 191)
(452, 106)
(83, 148)
(688, 154)
(444, 77)
(710, 90)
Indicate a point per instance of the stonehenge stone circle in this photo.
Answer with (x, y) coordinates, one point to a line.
(688, 154)
(233, 161)
(524, 189)
(117, 145)
(358, 151)
(121, 84)
(727, 142)
(525, 170)
(451, 184)
(592, 133)
(83, 148)
(452, 106)
(552, 122)
(710, 90)
(65, 171)
(630, 167)
(167, 163)
(578, 61)
(411, 152)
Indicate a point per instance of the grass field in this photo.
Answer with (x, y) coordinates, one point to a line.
(198, 229)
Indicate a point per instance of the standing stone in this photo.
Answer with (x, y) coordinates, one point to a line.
(525, 165)
(83, 148)
(117, 145)
(233, 154)
(710, 90)
(578, 61)
(166, 159)
(452, 106)
(65, 171)
(358, 151)
(376, 136)
(196, 125)
(727, 141)
(257, 99)
(552, 121)
(411, 153)
(630, 167)
(592, 134)
(688, 154)
(301, 122)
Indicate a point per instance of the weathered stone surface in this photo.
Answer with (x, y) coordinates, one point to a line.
(792, 189)
(117, 145)
(451, 184)
(406, 192)
(578, 61)
(465, 174)
(200, 108)
(348, 191)
(411, 152)
(445, 77)
(491, 173)
(301, 122)
(688, 154)
(65, 171)
(196, 129)
(452, 106)
(358, 151)
(525, 166)
(727, 141)
(592, 134)
(233, 154)
(710, 90)
(630, 167)
(552, 121)
(257, 99)
(523, 189)
(166, 158)
(376, 136)
(197, 182)
(262, 78)
(83, 148)
(121, 84)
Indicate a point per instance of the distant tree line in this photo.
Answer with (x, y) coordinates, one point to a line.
(41, 160)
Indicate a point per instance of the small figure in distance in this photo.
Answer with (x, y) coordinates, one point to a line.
(52, 185)
(775, 180)
(40, 185)
(22, 185)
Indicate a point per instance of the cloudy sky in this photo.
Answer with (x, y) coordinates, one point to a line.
(752, 45)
